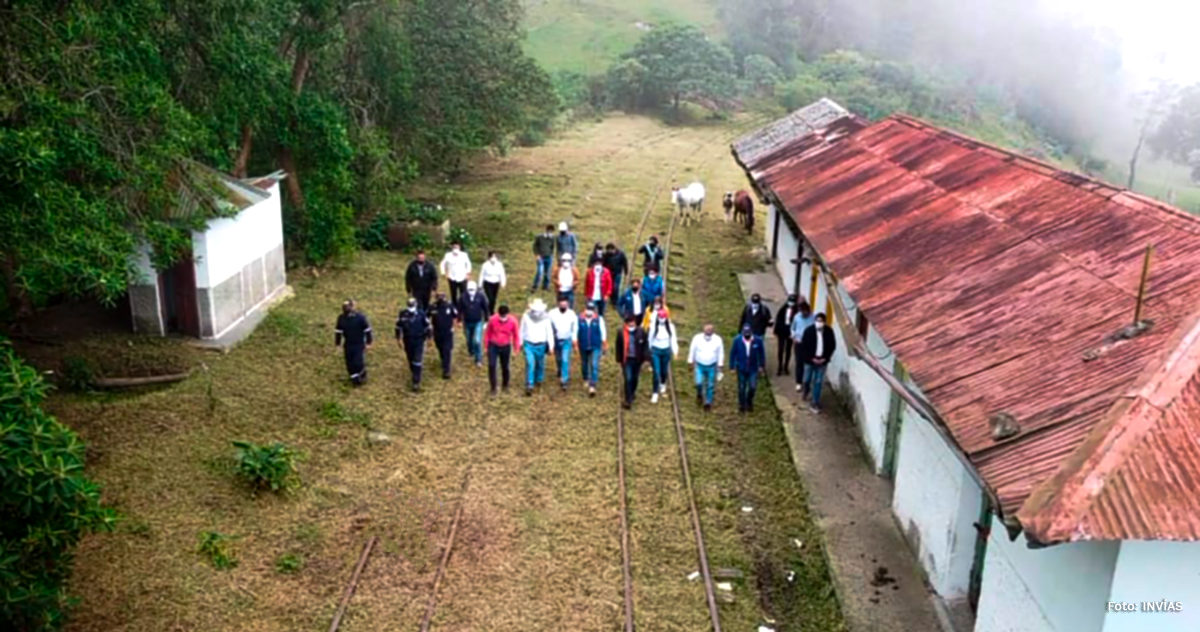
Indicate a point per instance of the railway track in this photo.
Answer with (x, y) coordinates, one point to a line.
(685, 471)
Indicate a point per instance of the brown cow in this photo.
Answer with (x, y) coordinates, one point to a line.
(743, 208)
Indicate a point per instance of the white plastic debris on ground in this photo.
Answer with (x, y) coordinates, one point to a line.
(693, 576)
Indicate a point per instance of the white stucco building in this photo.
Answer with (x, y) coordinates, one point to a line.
(235, 269)
(1044, 452)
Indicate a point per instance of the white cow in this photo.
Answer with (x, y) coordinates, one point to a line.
(689, 200)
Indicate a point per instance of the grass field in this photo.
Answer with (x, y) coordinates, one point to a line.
(587, 35)
(538, 546)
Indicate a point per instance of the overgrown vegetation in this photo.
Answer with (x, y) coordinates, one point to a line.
(46, 501)
(216, 550)
(265, 466)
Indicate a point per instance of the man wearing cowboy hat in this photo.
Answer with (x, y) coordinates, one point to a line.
(536, 336)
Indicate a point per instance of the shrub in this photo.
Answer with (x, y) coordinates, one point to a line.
(374, 234)
(503, 199)
(77, 374)
(265, 466)
(214, 546)
(462, 236)
(420, 241)
(289, 564)
(46, 502)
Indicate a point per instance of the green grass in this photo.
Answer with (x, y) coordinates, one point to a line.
(587, 35)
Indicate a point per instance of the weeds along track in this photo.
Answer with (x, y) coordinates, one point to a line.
(697, 530)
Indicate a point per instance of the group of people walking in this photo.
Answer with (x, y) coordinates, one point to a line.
(647, 336)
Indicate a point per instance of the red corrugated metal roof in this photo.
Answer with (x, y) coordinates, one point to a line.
(991, 276)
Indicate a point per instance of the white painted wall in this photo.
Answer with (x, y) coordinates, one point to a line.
(936, 502)
(1153, 571)
(144, 272)
(229, 244)
(789, 249)
(1062, 588)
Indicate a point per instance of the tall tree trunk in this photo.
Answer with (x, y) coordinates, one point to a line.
(243, 157)
(1137, 150)
(17, 297)
(287, 159)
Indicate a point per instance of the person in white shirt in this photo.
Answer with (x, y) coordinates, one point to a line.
(456, 267)
(493, 277)
(566, 279)
(707, 354)
(566, 333)
(664, 347)
(536, 335)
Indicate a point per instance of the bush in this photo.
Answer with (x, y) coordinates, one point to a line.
(420, 241)
(265, 466)
(462, 236)
(215, 547)
(78, 374)
(373, 235)
(46, 502)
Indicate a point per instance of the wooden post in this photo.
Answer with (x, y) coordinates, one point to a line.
(1141, 296)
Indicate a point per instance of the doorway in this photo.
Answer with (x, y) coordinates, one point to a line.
(181, 310)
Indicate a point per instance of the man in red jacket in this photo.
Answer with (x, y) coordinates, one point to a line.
(597, 286)
(500, 337)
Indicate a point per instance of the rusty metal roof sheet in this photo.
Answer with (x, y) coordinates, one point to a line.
(990, 276)
(802, 123)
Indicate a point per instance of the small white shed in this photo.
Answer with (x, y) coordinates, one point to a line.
(234, 272)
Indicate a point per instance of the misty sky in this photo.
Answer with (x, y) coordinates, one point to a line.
(1152, 31)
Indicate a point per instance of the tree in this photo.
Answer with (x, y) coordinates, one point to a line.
(682, 64)
(761, 74)
(1152, 106)
(627, 84)
(47, 503)
(1177, 137)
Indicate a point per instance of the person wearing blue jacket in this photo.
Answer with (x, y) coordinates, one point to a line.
(592, 342)
(652, 285)
(748, 357)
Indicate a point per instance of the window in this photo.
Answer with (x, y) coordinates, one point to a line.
(862, 324)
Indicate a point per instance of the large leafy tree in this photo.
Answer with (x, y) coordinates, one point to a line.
(1177, 137)
(683, 64)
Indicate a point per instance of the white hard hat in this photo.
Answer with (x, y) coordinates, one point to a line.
(562, 225)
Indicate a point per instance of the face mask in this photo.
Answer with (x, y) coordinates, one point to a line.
(791, 302)
(820, 325)
(708, 336)
(562, 310)
(746, 336)
(653, 275)
(635, 288)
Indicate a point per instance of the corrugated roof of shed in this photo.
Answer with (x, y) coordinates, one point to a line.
(756, 145)
(990, 275)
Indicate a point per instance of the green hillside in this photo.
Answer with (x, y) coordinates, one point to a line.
(587, 35)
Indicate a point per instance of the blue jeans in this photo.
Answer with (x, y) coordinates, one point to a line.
(544, 265)
(568, 296)
(562, 358)
(814, 377)
(600, 305)
(747, 385)
(535, 363)
(589, 362)
(474, 334)
(660, 359)
(706, 381)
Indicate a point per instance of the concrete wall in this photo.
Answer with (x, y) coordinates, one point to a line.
(1154, 571)
(936, 502)
(788, 250)
(1062, 588)
(145, 298)
(239, 265)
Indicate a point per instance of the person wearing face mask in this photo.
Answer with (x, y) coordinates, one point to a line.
(353, 334)
(633, 303)
(543, 249)
(566, 335)
(597, 286)
(817, 348)
(567, 279)
(456, 267)
(749, 358)
(664, 347)
(652, 254)
(420, 280)
(537, 334)
(566, 243)
(493, 278)
(412, 330)
(631, 355)
(443, 315)
(707, 355)
(783, 335)
(473, 309)
(659, 305)
(757, 316)
(501, 336)
(617, 265)
(596, 256)
(592, 342)
(804, 319)
(652, 285)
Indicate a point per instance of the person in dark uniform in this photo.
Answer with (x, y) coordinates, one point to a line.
(353, 334)
(443, 315)
(618, 265)
(420, 280)
(757, 316)
(412, 328)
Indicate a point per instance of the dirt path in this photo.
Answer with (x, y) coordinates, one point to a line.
(537, 547)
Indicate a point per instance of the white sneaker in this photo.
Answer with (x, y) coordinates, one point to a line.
(663, 390)
(654, 398)
(798, 388)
